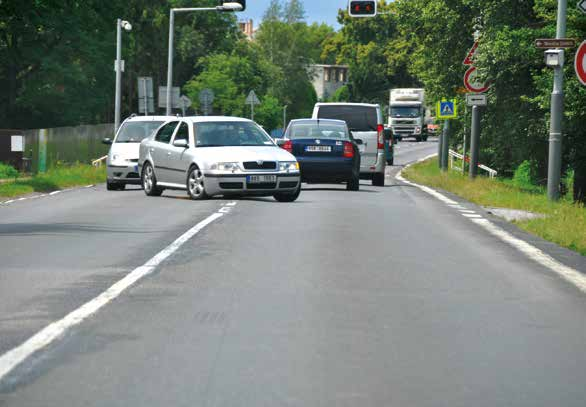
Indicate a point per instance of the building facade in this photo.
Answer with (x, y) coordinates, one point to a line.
(327, 79)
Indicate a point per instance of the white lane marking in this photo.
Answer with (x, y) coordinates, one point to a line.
(567, 273)
(55, 193)
(9, 202)
(232, 204)
(466, 211)
(49, 334)
(471, 216)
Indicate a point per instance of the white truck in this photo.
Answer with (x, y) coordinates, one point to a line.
(407, 114)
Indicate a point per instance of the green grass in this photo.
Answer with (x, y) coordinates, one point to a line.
(53, 180)
(7, 171)
(564, 224)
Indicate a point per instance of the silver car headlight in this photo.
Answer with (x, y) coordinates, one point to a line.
(225, 167)
(289, 166)
(117, 160)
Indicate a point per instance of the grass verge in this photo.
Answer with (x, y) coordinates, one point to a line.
(564, 222)
(53, 180)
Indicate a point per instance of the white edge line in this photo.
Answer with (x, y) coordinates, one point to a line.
(567, 273)
(55, 193)
(50, 333)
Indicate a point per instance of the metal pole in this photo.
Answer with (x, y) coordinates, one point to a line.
(440, 144)
(146, 98)
(284, 118)
(465, 141)
(117, 101)
(170, 61)
(474, 142)
(445, 146)
(554, 172)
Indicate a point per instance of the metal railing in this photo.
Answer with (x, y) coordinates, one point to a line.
(454, 155)
(99, 161)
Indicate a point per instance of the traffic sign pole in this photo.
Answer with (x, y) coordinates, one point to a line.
(445, 146)
(554, 171)
(474, 142)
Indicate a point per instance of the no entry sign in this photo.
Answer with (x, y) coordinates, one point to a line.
(580, 63)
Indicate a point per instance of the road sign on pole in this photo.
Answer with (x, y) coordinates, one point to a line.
(252, 100)
(146, 96)
(185, 103)
(175, 95)
(582, 6)
(580, 62)
(475, 99)
(206, 99)
(447, 109)
(471, 80)
(547, 43)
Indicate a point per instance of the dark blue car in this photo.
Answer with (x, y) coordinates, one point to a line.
(326, 151)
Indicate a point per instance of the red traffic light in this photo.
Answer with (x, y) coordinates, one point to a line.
(362, 8)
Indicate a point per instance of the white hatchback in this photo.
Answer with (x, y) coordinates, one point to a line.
(209, 156)
(122, 161)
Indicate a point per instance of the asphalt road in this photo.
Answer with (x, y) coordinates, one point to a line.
(383, 297)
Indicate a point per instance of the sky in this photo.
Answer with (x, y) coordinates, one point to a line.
(321, 11)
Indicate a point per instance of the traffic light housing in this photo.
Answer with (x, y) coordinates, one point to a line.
(362, 8)
(226, 2)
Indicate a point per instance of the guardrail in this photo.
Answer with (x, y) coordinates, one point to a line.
(99, 161)
(454, 155)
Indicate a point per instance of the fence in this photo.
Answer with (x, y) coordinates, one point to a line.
(454, 155)
(48, 147)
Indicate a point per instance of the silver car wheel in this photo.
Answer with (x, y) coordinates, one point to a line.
(196, 183)
(148, 179)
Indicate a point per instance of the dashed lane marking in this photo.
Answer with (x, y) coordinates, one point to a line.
(11, 359)
(569, 274)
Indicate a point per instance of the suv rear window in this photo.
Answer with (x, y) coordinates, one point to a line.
(358, 118)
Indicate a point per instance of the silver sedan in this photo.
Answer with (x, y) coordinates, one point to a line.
(209, 156)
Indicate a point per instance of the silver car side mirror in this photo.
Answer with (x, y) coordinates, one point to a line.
(181, 143)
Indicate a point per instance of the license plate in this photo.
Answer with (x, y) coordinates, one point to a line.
(262, 179)
(318, 149)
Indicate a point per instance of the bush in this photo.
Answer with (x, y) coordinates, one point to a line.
(525, 175)
(7, 171)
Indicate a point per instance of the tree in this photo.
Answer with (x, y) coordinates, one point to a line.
(294, 12)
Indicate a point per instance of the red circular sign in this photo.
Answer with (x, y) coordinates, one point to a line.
(580, 63)
(471, 84)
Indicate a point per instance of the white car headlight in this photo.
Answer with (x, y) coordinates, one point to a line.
(290, 166)
(226, 167)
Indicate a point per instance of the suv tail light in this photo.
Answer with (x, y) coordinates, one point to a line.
(381, 137)
(288, 145)
(348, 150)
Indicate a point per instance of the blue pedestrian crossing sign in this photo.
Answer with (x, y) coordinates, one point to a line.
(447, 109)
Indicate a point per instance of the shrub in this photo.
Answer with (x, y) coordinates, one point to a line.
(7, 171)
(525, 175)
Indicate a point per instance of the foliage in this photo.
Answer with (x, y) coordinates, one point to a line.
(7, 171)
(564, 222)
(525, 177)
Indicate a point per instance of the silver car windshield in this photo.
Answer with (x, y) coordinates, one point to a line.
(318, 131)
(230, 134)
(135, 132)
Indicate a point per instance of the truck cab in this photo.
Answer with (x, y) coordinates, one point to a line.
(407, 114)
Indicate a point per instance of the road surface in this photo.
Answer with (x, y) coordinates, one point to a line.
(383, 297)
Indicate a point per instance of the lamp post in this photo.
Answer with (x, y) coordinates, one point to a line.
(284, 117)
(119, 66)
(555, 59)
(226, 6)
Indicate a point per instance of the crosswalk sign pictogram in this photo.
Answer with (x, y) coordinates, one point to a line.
(447, 109)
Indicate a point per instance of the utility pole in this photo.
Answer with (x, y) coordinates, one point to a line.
(118, 65)
(554, 172)
(474, 142)
(284, 118)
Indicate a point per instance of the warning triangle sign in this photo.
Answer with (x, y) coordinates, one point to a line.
(447, 110)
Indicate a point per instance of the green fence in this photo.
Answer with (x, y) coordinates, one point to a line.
(47, 148)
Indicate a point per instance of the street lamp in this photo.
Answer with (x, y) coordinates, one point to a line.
(225, 7)
(119, 67)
